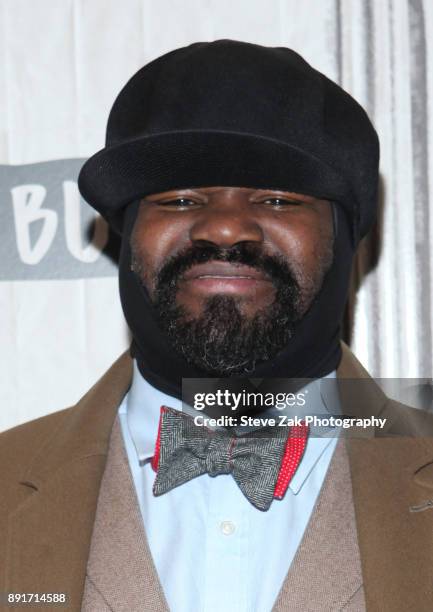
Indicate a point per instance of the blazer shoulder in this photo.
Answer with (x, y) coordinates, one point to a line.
(406, 421)
(21, 443)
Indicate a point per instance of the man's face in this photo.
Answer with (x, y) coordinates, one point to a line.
(230, 270)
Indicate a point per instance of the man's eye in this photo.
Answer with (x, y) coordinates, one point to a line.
(281, 202)
(178, 203)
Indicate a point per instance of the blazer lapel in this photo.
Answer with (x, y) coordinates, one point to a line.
(391, 475)
(395, 542)
(120, 564)
(326, 571)
(49, 532)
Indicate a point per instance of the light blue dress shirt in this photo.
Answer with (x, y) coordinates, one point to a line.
(214, 551)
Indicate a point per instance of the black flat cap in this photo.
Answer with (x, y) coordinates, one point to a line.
(235, 114)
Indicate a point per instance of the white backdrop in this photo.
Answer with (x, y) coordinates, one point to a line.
(61, 65)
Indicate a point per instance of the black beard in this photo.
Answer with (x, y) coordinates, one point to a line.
(222, 341)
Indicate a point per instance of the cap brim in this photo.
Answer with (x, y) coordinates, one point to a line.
(120, 174)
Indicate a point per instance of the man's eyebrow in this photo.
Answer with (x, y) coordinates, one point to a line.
(285, 194)
(173, 193)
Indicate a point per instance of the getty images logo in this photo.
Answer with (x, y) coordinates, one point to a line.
(47, 231)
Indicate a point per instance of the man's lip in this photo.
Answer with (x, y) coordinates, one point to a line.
(224, 270)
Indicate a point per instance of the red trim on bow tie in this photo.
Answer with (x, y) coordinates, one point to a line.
(293, 452)
(155, 459)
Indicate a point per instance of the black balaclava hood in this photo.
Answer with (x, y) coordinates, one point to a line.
(312, 352)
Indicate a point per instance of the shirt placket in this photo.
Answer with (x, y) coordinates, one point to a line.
(226, 549)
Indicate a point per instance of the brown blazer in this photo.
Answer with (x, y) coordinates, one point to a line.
(51, 471)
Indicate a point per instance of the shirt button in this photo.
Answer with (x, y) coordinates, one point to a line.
(227, 527)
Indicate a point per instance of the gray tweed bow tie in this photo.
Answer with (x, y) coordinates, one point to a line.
(184, 451)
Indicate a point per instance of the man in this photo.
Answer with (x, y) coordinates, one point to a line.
(241, 181)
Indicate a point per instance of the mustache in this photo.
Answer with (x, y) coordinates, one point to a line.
(276, 267)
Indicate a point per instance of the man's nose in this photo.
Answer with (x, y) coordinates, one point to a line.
(226, 225)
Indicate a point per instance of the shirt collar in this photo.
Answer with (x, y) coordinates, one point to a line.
(143, 404)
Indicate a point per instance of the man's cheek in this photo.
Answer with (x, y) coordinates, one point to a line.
(143, 270)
